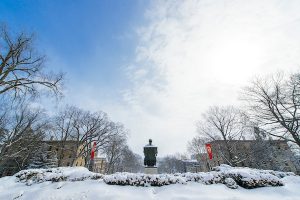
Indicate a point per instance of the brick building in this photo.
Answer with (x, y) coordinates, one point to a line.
(264, 154)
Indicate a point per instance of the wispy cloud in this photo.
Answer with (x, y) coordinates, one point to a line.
(194, 54)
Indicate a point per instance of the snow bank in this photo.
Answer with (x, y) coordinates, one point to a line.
(252, 178)
(143, 179)
(228, 168)
(232, 177)
(31, 176)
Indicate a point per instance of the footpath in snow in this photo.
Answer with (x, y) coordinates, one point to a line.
(224, 182)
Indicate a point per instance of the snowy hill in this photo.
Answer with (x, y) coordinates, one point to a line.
(78, 183)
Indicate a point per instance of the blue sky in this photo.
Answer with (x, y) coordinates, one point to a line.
(157, 65)
(90, 40)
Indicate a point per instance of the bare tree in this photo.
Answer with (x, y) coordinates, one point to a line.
(197, 145)
(114, 153)
(128, 161)
(64, 130)
(274, 103)
(171, 164)
(227, 124)
(21, 136)
(21, 69)
(95, 128)
(84, 128)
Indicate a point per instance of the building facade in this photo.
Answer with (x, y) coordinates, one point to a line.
(270, 154)
(67, 152)
(192, 166)
(99, 165)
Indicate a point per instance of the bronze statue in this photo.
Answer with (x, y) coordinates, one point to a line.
(150, 153)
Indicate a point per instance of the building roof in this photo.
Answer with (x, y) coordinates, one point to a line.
(244, 141)
(60, 141)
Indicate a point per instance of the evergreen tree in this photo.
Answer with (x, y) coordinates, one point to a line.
(43, 158)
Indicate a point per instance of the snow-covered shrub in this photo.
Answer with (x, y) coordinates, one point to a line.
(278, 173)
(229, 182)
(232, 177)
(203, 177)
(166, 179)
(142, 179)
(31, 176)
(251, 178)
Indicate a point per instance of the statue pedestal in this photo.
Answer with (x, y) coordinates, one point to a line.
(150, 170)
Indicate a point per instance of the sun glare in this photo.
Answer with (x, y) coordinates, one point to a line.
(234, 58)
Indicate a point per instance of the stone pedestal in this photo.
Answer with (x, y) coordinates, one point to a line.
(150, 170)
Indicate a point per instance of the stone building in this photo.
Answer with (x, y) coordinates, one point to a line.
(99, 165)
(66, 155)
(264, 154)
(67, 152)
(191, 165)
(202, 159)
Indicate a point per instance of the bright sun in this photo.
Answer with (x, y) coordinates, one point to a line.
(235, 58)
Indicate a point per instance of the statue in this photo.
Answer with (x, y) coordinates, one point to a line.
(150, 153)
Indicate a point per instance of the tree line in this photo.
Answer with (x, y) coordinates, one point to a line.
(270, 110)
(24, 127)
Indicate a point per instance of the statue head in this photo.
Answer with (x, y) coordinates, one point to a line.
(150, 142)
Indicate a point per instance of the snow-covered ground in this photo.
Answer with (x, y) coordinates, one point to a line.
(78, 183)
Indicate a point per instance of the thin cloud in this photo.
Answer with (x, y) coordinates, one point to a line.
(194, 54)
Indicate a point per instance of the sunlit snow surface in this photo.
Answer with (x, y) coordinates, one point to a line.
(89, 189)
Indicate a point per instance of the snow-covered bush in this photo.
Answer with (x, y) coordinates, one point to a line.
(251, 178)
(232, 177)
(142, 179)
(31, 176)
(203, 177)
(229, 182)
(162, 179)
(226, 168)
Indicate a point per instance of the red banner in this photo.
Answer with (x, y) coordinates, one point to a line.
(209, 150)
(93, 151)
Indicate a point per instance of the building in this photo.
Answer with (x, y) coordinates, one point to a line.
(67, 152)
(55, 153)
(202, 159)
(264, 154)
(99, 165)
(192, 166)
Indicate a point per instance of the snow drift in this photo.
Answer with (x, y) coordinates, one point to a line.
(31, 176)
(78, 183)
(232, 177)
